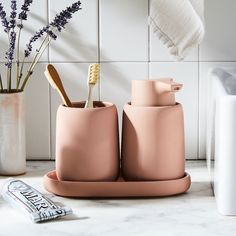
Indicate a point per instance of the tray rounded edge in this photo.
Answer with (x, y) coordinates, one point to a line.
(116, 188)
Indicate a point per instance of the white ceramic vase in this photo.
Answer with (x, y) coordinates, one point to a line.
(12, 134)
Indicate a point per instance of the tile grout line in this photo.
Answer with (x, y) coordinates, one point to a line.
(49, 92)
(104, 62)
(99, 50)
(149, 43)
(198, 124)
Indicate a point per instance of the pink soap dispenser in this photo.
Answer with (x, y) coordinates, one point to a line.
(153, 132)
(153, 92)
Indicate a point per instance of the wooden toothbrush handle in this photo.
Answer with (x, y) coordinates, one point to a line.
(56, 82)
(64, 97)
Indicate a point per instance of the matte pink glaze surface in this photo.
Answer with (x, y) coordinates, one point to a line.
(87, 146)
(152, 93)
(119, 188)
(153, 143)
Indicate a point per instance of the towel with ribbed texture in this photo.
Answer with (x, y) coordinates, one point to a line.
(179, 24)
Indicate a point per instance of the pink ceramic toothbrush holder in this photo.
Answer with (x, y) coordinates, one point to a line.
(153, 143)
(87, 142)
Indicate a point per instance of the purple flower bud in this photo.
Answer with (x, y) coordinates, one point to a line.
(20, 26)
(25, 8)
(13, 14)
(10, 52)
(12, 36)
(61, 20)
(59, 23)
(4, 21)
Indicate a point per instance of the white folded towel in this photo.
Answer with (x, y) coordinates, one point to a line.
(178, 24)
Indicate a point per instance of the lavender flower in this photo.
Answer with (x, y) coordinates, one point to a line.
(10, 52)
(59, 23)
(61, 20)
(23, 14)
(13, 14)
(4, 21)
(38, 35)
(12, 38)
(13, 28)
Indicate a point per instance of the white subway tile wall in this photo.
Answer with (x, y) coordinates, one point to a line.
(38, 115)
(123, 30)
(116, 34)
(219, 43)
(79, 42)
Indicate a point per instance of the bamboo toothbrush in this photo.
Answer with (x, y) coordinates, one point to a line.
(55, 81)
(93, 76)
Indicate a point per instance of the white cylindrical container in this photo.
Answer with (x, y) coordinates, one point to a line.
(225, 152)
(12, 134)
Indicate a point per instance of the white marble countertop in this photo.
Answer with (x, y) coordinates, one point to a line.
(193, 213)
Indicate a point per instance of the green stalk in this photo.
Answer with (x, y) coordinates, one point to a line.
(1, 83)
(17, 72)
(8, 79)
(40, 55)
(34, 63)
(20, 75)
(8, 71)
(35, 57)
(18, 56)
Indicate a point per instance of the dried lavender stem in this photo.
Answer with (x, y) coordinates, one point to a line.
(40, 55)
(20, 75)
(8, 80)
(34, 63)
(10, 51)
(35, 57)
(1, 83)
(18, 56)
(22, 65)
(8, 35)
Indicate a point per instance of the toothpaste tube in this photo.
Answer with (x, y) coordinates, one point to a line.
(35, 204)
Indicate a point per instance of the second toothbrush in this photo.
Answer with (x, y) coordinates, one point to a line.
(93, 77)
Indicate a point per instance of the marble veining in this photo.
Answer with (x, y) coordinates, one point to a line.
(193, 213)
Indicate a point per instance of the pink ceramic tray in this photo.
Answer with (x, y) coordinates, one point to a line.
(119, 188)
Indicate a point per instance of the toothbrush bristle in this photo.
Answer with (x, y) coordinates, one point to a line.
(94, 70)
